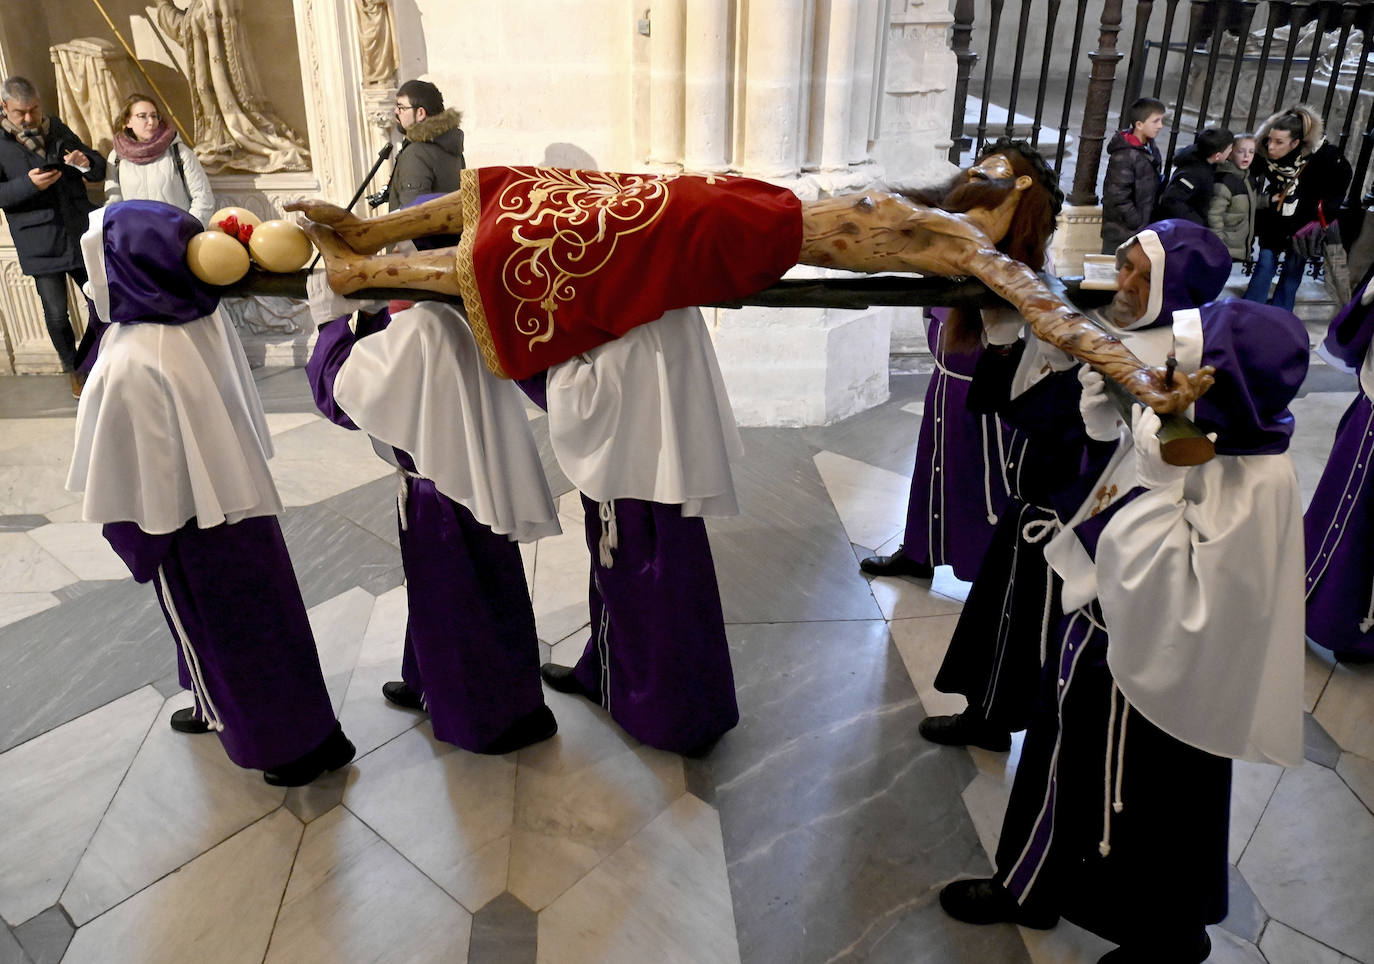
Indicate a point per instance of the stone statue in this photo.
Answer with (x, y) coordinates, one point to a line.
(235, 126)
(377, 42)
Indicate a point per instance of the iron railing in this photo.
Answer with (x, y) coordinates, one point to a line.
(1212, 62)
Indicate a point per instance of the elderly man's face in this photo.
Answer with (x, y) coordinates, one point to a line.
(23, 114)
(1132, 287)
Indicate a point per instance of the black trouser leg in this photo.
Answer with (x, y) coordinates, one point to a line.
(52, 292)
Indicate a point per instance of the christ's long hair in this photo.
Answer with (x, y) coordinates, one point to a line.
(1031, 227)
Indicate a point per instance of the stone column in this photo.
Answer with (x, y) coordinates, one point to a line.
(772, 92)
(867, 52)
(666, 95)
(706, 140)
(918, 95)
(839, 82)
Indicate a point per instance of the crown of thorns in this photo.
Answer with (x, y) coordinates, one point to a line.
(1045, 174)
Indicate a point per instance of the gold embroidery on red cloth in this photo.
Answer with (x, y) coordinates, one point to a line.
(568, 224)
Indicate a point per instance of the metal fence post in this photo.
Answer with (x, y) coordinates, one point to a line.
(1104, 60)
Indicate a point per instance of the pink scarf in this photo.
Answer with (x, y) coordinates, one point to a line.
(144, 152)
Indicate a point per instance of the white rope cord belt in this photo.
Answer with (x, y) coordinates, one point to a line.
(1033, 532)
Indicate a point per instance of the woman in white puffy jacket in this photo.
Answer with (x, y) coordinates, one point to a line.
(150, 163)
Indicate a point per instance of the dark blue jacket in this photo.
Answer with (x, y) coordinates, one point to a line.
(46, 225)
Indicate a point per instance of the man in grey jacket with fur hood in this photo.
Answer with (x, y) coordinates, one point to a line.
(431, 157)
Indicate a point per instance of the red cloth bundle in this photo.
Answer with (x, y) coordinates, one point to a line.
(554, 262)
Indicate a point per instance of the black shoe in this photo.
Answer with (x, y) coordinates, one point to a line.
(1196, 953)
(897, 565)
(983, 900)
(562, 679)
(402, 695)
(186, 721)
(530, 728)
(334, 752)
(964, 729)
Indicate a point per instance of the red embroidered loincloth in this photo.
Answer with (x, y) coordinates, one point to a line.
(553, 262)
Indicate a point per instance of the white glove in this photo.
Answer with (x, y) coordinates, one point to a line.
(326, 304)
(1100, 415)
(1002, 326)
(1150, 468)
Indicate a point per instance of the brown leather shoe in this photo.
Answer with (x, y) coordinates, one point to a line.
(78, 383)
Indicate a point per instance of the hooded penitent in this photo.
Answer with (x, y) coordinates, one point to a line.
(1189, 266)
(169, 368)
(1200, 580)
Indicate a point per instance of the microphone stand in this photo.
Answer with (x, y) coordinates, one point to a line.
(382, 155)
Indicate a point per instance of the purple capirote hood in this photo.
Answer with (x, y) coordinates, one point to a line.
(1260, 353)
(1189, 266)
(135, 254)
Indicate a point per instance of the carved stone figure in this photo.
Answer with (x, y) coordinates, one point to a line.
(235, 126)
(377, 42)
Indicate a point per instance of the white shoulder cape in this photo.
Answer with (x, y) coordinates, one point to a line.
(170, 427)
(1203, 601)
(646, 416)
(420, 385)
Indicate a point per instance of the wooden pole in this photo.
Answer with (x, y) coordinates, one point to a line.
(166, 105)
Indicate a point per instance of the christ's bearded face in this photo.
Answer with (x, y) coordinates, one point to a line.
(985, 185)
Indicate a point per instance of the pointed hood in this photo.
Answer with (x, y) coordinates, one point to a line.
(135, 253)
(1189, 266)
(1260, 353)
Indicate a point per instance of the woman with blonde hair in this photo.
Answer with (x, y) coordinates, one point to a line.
(151, 163)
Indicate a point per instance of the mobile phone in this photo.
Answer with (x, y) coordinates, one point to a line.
(51, 167)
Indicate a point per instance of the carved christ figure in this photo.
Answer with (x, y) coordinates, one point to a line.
(554, 262)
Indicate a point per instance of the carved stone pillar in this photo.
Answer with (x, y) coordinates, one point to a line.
(666, 69)
(918, 95)
(379, 115)
(839, 82)
(707, 86)
(867, 67)
(772, 92)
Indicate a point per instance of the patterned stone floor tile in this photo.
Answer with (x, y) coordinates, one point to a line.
(353, 898)
(150, 829)
(71, 511)
(1311, 446)
(25, 566)
(559, 588)
(986, 800)
(21, 523)
(80, 547)
(21, 439)
(445, 810)
(1065, 944)
(1227, 948)
(871, 501)
(279, 423)
(15, 606)
(1318, 666)
(371, 506)
(46, 936)
(11, 951)
(672, 897)
(367, 718)
(339, 625)
(567, 817)
(1245, 918)
(319, 797)
(333, 554)
(54, 790)
(504, 932)
(900, 597)
(1358, 774)
(1281, 944)
(1344, 709)
(1252, 786)
(1311, 860)
(218, 909)
(1318, 746)
(922, 643)
(34, 489)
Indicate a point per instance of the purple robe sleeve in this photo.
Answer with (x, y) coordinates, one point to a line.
(333, 345)
(1350, 332)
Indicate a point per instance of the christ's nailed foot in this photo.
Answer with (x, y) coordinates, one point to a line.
(348, 225)
(343, 265)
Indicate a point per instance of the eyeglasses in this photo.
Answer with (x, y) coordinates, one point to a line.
(403, 107)
(146, 117)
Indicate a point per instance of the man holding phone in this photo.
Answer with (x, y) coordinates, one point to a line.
(42, 164)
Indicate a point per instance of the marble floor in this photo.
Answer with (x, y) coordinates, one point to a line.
(821, 828)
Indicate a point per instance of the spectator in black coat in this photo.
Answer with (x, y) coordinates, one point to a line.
(42, 164)
(1305, 179)
(431, 157)
(1132, 181)
(1189, 191)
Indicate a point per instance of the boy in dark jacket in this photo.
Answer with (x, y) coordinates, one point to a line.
(1132, 181)
(1189, 191)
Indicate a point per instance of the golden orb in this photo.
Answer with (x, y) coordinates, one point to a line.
(280, 245)
(216, 258)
